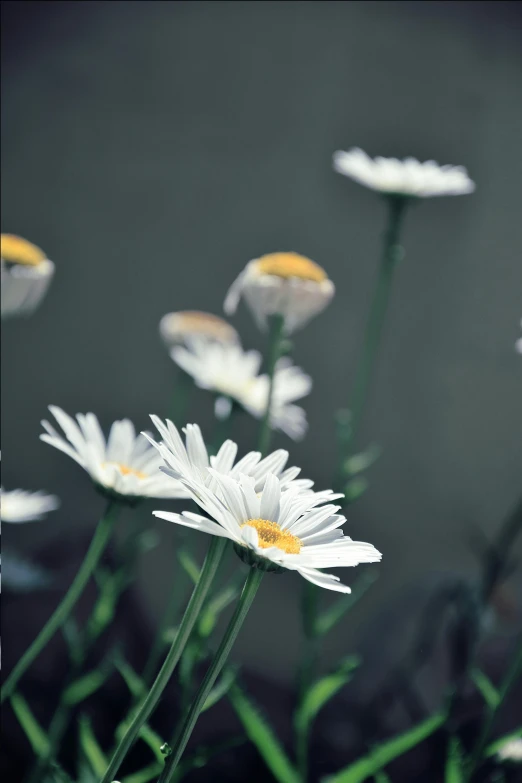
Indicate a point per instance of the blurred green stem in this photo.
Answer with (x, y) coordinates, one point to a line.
(96, 549)
(512, 675)
(274, 353)
(180, 398)
(166, 622)
(310, 602)
(182, 737)
(391, 254)
(210, 567)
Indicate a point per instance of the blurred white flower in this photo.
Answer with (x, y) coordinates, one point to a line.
(511, 750)
(20, 506)
(190, 462)
(176, 328)
(407, 177)
(232, 372)
(277, 530)
(125, 466)
(284, 284)
(518, 344)
(26, 275)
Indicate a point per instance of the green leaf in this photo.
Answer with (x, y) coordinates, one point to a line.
(355, 488)
(89, 744)
(329, 618)
(454, 762)
(84, 686)
(138, 689)
(489, 693)
(189, 564)
(219, 690)
(211, 612)
(381, 777)
(322, 691)
(103, 613)
(495, 746)
(145, 774)
(362, 461)
(388, 751)
(132, 680)
(262, 736)
(34, 732)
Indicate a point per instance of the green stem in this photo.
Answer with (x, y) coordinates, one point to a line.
(243, 605)
(391, 254)
(210, 566)
(97, 547)
(308, 666)
(276, 334)
(514, 672)
(180, 398)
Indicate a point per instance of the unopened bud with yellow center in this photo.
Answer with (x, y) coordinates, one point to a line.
(286, 284)
(177, 328)
(26, 274)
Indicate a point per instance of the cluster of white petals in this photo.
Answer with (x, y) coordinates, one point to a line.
(20, 506)
(407, 177)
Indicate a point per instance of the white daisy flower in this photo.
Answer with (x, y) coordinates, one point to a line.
(191, 463)
(20, 506)
(232, 372)
(26, 275)
(407, 177)
(511, 750)
(175, 328)
(280, 529)
(125, 465)
(284, 284)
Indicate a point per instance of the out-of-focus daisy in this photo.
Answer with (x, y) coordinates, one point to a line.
(190, 462)
(125, 466)
(285, 284)
(20, 506)
(176, 328)
(26, 275)
(518, 344)
(280, 529)
(511, 750)
(232, 372)
(408, 177)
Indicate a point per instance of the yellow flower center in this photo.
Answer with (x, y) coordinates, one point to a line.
(16, 250)
(206, 324)
(126, 471)
(270, 534)
(290, 265)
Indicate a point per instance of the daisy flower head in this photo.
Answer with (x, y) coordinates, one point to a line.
(408, 177)
(189, 462)
(511, 750)
(125, 467)
(176, 328)
(231, 372)
(20, 506)
(285, 284)
(26, 275)
(276, 529)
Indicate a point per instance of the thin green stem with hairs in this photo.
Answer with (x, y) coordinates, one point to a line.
(274, 354)
(206, 577)
(92, 558)
(180, 741)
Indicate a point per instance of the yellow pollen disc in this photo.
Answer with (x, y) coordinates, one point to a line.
(16, 250)
(196, 322)
(290, 265)
(270, 534)
(126, 471)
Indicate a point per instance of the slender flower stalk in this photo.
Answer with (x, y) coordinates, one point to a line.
(92, 558)
(392, 253)
(210, 566)
(276, 336)
(243, 605)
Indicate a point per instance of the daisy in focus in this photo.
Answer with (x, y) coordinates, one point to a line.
(190, 462)
(407, 177)
(177, 328)
(26, 275)
(285, 284)
(232, 373)
(20, 506)
(276, 529)
(125, 466)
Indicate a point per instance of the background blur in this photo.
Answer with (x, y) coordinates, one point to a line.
(152, 149)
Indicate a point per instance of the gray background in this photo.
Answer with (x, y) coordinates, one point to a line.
(152, 149)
